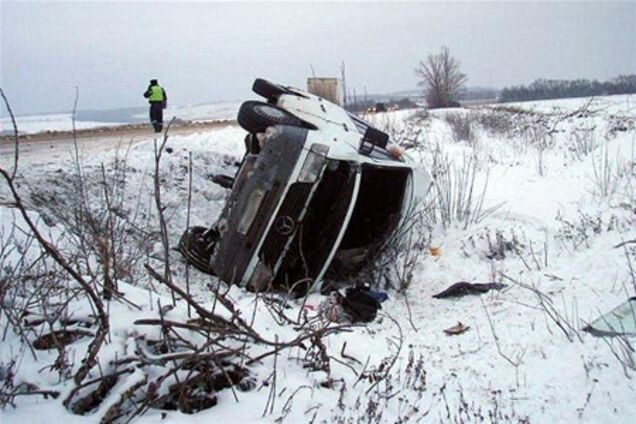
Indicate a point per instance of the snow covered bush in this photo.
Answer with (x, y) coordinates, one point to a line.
(461, 125)
(582, 142)
(92, 205)
(495, 245)
(584, 227)
(494, 121)
(615, 177)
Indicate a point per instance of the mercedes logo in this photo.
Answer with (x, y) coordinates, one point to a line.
(284, 225)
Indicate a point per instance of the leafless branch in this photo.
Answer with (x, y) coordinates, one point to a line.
(159, 205)
(15, 134)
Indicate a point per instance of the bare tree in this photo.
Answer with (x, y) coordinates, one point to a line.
(441, 78)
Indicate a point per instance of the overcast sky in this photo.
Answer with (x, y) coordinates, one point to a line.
(205, 52)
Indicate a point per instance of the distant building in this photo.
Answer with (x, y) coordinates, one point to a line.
(327, 88)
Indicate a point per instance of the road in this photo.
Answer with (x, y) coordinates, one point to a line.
(59, 146)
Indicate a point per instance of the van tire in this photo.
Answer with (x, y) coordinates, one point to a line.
(255, 117)
(193, 246)
(267, 89)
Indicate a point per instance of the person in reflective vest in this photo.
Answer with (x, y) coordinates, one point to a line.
(158, 100)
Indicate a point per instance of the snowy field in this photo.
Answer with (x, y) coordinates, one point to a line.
(40, 123)
(221, 111)
(553, 193)
(32, 124)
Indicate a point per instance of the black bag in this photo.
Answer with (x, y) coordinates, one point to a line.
(359, 305)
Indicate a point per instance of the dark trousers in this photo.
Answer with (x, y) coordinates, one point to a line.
(156, 115)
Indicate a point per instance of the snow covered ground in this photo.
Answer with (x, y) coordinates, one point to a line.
(624, 103)
(558, 179)
(221, 111)
(54, 122)
(31, 124)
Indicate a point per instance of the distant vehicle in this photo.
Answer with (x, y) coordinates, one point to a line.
(319, 191)
(383, 107)
(380, 107)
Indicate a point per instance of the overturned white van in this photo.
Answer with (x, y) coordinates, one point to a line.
(319, 191)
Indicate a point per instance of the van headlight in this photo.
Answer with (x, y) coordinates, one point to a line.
(313, 164)
(250, 211)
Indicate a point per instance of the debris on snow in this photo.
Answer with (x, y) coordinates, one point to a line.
(620, 321)
(456, 329)
(464, 288)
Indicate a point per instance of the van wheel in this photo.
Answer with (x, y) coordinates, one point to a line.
(267, 89)
(196, 245)
(255, 117)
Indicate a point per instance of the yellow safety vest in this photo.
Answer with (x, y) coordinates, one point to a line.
(156, 94)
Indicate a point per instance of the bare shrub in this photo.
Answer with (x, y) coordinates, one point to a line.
(421, 115)
(464, 410)
(10, 389)
(163, 228)
(98, 223)
(514, 110)
(410, 381)
(623, 350)
(413, 131)
(619, 124)
(515, 357)
(537, 136)
(605, 176)
(394, 265)
(461, 126)
(497, 245)
(495, 121)
(582, 142)
(580, 231)
(459, 194)
(614, 177)
(183, 369)
(566, 320)
(86, 287)
(29, 289)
